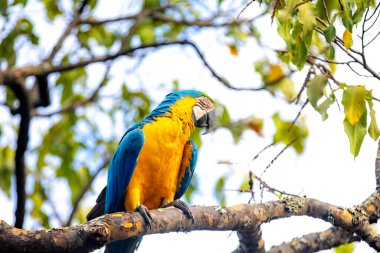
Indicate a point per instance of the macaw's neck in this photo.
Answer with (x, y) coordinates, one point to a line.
(182, 110)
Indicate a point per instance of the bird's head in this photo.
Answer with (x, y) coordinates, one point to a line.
(203, 110)
(204, 113)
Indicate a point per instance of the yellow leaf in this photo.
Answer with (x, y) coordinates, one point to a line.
(233, 49)
(332, 67)
(275, 74)
(347, 39)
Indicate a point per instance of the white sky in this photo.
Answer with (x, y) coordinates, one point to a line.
(326, 170)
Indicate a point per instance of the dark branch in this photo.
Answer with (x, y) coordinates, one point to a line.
(16, 84)
(250, 241)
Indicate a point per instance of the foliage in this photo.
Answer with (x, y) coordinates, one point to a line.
(72, 145)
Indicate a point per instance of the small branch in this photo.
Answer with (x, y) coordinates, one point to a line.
(85, 190)
(279, 154)
(298, 114)
(148, 12)
(377, 167)
(75, 105)
(216, 75)
(66, 33)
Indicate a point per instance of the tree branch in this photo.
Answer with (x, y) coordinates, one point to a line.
(250, 241)
(73, 23)
(313, 242)
(46, 70)
(16, 84)
(245, 217)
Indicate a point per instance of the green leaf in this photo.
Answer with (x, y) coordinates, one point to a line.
(6, 169)
(222, 114)
(286, 133)
(315, 89)
(329, 33)
(146, 32)
(306, 16)
(373, 129)
(331, 53)
(347, 14)
(354, 103)
(345, 248)
(219, 190)
(356, 133)
(149, 4)
(52, 10)
(322, 108)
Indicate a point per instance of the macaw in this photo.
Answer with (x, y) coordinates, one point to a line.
(155, 160)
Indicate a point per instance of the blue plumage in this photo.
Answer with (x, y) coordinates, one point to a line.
(124, 162)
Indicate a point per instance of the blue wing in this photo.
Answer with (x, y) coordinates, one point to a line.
(189, 161)
(121, 168)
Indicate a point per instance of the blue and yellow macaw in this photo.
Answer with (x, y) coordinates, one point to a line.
(155, 160)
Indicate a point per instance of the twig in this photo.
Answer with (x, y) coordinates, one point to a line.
(69, 28)
(216, 75)
(377, 167)
(261, 151)
(279, 154)
(298, 115)
(244, 8)
(75, 105)
(85, 189)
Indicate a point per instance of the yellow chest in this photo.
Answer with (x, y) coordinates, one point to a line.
(155, 178)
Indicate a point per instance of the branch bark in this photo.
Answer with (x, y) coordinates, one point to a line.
(243, 218)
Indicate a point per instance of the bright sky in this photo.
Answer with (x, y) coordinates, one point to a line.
(326, 170)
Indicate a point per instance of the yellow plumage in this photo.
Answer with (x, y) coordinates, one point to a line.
(155, 178)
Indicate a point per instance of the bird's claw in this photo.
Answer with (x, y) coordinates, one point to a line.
(183, 207)
(144, 211)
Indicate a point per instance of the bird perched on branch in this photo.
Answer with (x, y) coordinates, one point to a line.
(155, 160)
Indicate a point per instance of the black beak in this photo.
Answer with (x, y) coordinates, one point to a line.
(207, 121)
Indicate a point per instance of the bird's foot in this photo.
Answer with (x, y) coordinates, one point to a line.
(144, 211)
(183, 207)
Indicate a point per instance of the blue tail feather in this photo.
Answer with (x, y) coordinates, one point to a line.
(125, 246)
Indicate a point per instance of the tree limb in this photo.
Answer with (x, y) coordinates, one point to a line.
(313, 242)
(16, 84)
(245, 217)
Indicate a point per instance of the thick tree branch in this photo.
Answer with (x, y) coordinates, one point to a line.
(250, 241)
(313, 242)
(16, 84)
(245, 217)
